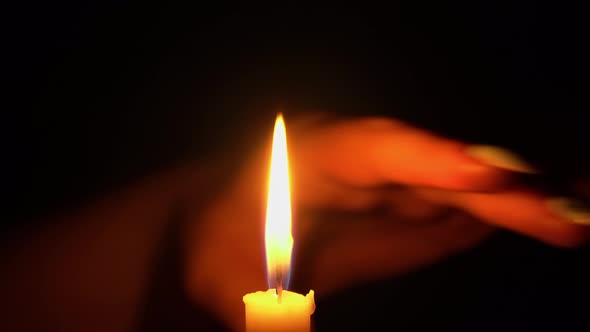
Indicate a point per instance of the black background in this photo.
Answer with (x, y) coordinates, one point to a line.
(101, 93)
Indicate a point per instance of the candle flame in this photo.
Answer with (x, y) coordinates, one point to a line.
(278, 238)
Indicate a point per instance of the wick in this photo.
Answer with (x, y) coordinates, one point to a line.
(279, 292)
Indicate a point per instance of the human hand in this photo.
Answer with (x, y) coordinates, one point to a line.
(405, 198)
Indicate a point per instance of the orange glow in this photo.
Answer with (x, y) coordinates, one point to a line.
(278, 238)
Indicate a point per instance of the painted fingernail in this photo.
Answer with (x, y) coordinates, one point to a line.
(500, 157)
(576, 211)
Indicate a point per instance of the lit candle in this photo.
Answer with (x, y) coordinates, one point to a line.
(277, 309)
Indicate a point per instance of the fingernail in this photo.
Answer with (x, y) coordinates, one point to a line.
(500, 157)
(576, 211)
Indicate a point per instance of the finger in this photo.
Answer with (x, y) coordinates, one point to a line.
(324, 193)
(405, 204)
(396, 201)
(373, 151)
(520, 211)
(365, 251)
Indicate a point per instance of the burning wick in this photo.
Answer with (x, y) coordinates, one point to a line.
(279, 292)
(279, 279)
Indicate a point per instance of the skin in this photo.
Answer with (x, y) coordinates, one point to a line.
(404, 197)
(392, 198)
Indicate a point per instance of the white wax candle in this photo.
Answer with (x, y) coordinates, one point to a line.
(264, 313)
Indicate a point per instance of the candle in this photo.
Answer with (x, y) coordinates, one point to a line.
(277, 309)
(264, 313)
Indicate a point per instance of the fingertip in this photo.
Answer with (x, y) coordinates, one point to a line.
(488, 168)
(527, 213)
(569, 236)
(466, 173)
(477, 176)
(574, 221)
(501, 158)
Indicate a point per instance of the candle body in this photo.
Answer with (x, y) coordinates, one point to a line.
(264, 313)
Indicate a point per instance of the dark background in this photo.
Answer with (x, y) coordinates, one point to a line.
(100, 94)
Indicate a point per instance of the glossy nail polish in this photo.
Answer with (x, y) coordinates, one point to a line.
(574, 210)
(500, 157)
